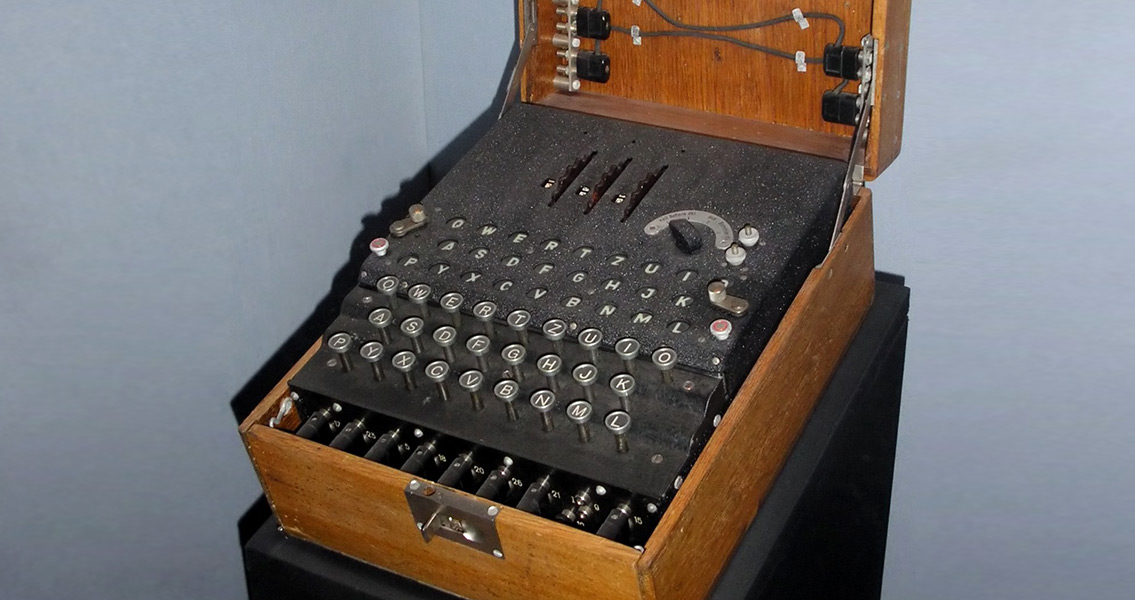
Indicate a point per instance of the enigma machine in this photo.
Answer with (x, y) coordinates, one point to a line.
(574, 370)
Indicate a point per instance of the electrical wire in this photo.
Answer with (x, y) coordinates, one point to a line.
(712, 32)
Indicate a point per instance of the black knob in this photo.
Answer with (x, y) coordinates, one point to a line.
(686, 236)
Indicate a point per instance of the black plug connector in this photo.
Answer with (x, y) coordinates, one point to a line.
(593, 66)
(840, 107)
(842, 61)
(593, 23)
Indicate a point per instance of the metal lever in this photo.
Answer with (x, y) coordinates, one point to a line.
(855, 178)
(530, 35)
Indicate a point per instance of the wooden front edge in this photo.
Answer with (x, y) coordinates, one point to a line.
(359, 508)
(891, 27)
(730, 479)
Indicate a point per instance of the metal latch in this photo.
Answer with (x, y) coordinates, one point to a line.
(440, 512)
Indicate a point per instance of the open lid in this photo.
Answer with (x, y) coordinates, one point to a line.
(672, 64)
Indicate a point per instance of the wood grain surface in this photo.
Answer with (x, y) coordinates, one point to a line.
(725, 79)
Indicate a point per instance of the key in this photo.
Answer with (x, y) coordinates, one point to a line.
(627, 349)
(549, 366)
(340, 344)
(420, 295)
(513, 356)
(585, 374)
(590, 339)
(412, 327)
(438, 372)
(554, 331)
(478, 346)
(623, 385)
(451, 304)
(404, 362)
(665, 359)
(485, 311)
(388, 286)
(579, 412)
(543, 401)
(507, 390)
(445, 336)
(618, 422)
(518, 321)
(472, 381)
(372, 353)
(381, 318)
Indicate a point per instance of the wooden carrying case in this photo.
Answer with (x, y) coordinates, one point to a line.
(360, 508)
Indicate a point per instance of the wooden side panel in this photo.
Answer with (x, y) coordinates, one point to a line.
(892, 28)
(269, 406)
(722, 493)
(710, 75)
(358, 508)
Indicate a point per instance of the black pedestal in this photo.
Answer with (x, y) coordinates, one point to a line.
(821, 533)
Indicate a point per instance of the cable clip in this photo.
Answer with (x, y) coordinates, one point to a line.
(801, 20)
(801, 62)
(637, 2)
(636, 35)
(285, 408)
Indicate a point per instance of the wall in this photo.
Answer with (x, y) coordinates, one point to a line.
(179, 181)
(158, 166)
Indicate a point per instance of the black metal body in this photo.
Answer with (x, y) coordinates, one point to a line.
(821, 531)
(602, 224)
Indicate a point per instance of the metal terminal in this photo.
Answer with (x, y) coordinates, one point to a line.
(618, 422)
(419, 295)
(623, 385)
(554, 331)
(513, 356)
(454, 516)
(445, 336)
(585, 374)
(472, 381)
(372, 353)
(451, 304)
(507, 390)
(719, 297)
(579, 412)
(404, 363)
(388, 285)
(748, 236)
(340, 344)
(412, 328)
(415, 219)
(735, 255)
(627, 349)
(381, 318)
(721, 329)
(590, 339)
(549, 366)
(543, 401)
(438, 372)
(485, 311)
(478, 346)
(665, 359)
(518, 321)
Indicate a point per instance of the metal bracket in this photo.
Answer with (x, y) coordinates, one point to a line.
(530, 35)
(855, 178)
(440, 512)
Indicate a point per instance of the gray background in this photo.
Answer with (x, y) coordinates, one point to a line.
(180, 181)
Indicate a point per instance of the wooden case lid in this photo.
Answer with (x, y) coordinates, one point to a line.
(722, 89)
